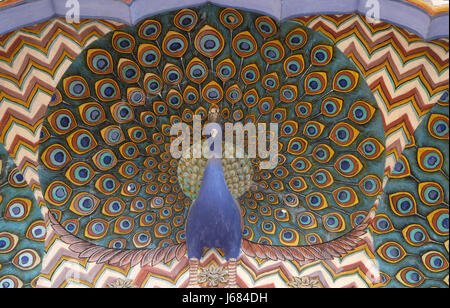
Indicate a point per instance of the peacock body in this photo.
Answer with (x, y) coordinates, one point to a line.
(22, 228)
(118, 196)
(214, 218)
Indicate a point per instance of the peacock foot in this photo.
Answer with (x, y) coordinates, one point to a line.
(232, 274)
(193, 273)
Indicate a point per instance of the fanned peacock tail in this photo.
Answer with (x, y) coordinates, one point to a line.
(411, 226)
(110, 180)
(22, 228)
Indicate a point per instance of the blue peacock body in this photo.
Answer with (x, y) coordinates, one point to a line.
(214, 219)
(107, 173)
(22, 228)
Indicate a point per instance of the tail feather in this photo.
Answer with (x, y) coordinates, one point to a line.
(325, 251)
(117, 257)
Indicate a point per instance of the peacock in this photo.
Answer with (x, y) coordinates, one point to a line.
(412, 223)
(22, 228)
(117, 195)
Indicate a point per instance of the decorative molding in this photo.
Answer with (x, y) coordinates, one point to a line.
(424, 19)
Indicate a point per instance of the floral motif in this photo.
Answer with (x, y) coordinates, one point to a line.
(305, 283)
(122, 284)
(213, 276)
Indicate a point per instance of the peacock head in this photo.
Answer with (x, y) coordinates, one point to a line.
(214, 115)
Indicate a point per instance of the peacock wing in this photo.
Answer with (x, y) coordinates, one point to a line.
(411, 225)
(22, 228)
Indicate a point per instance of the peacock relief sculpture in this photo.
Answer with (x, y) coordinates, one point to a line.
(118, 195)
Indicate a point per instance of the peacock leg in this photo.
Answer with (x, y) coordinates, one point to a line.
(193, 273)
(232, 273)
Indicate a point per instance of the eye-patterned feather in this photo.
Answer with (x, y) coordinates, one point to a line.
(110, 180)
(22, 228)
(411, 225)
